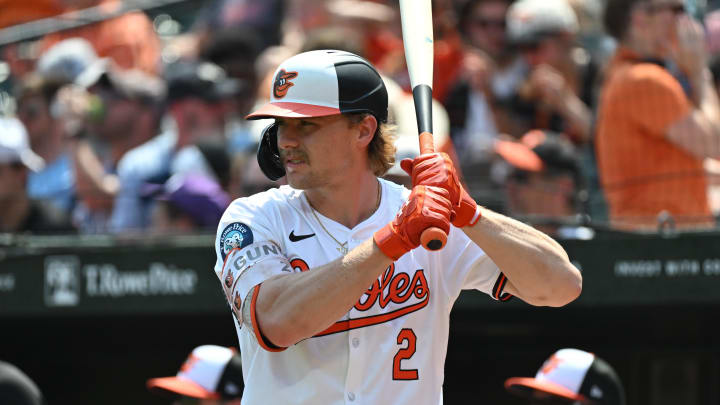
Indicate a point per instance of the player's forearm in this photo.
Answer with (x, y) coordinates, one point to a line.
(296, 306)
(537, 266)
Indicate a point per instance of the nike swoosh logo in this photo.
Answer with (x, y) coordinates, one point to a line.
(298, 238)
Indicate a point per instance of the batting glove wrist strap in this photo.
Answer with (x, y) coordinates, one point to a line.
(466, 212)
(391, 243)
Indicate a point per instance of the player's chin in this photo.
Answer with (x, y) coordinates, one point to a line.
(299, 181)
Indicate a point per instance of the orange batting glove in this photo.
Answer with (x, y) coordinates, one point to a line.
(436, 169)
(427, 207)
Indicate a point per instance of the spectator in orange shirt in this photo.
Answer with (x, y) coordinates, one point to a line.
(22, 11)
(129, 40)
(652, 138)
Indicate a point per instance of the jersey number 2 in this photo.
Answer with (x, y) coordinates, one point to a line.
(405, 335)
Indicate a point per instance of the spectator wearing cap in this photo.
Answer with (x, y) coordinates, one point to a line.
(570, 376)
(17, 388)
(189, 203)
(118, 111)
(211, 375)
(652, 138)
(557, 93)
(544, 184)
(197, 107)
(21, 213)
(124, 108)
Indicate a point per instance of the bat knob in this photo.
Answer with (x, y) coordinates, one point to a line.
(433, 238)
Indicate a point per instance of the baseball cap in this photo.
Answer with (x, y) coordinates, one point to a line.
(197, 195)
(17, 388)
(529, 20)
(66, 60)
(575, 375)
(210, 372)
(131, 83)
(204, 80)
(538, 151)
(15, 146)
(325, 82)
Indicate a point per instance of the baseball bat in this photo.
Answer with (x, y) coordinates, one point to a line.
(417, 32)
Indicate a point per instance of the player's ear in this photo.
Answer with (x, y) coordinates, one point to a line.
(366, 130)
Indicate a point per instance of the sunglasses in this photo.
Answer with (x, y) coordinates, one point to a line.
(489, 22)
(677, 9)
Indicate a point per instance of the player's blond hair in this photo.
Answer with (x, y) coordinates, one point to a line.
(381, 150)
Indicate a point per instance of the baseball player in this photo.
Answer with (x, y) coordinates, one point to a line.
(333, 300)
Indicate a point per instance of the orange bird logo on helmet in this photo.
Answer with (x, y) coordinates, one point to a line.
(283, 83)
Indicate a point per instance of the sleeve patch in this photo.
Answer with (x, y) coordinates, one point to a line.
(244, 268)
(235, 236)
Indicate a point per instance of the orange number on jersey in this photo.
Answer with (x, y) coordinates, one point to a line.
(299, 264)
(398, 373)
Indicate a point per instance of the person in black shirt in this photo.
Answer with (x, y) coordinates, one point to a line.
(20, 213)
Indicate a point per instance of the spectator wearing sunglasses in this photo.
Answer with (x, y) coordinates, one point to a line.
(652, 136)
(557, 92)
(491, 72)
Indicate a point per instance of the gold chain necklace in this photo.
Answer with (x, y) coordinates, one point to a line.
(342, 247)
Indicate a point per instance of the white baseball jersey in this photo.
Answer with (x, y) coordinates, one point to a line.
(389, 348)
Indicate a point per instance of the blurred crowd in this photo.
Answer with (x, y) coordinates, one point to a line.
(568, 114)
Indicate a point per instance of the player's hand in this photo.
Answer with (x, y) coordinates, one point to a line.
(437, 169)
(427, 207)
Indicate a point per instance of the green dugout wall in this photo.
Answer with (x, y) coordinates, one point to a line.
(91, 318)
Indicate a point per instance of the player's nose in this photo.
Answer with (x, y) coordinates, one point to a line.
(287, 137)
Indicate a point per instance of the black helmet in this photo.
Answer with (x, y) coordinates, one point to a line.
(317, 84)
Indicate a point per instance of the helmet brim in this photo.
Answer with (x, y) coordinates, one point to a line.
(292, 110)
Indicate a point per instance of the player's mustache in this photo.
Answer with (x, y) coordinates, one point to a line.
(294, 154)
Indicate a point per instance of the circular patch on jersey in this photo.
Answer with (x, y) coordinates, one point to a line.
(235, 235)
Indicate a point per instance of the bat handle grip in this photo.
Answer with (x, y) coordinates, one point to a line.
(426, 143)
(432, 238)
